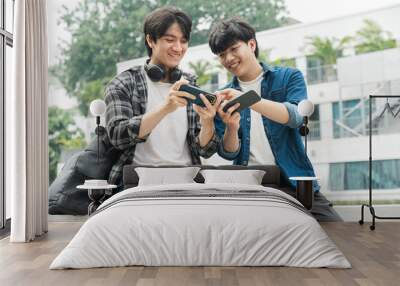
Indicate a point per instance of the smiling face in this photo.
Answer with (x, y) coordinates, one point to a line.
(240, 59)
(170, 48)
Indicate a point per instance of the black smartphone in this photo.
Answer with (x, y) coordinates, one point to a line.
(212, 98)
(247, 99)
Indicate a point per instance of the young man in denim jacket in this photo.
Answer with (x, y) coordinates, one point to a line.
(267, 133)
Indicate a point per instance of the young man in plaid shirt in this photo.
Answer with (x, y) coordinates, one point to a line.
(147, 118)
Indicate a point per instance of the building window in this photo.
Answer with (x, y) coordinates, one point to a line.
(317, 72)
(351, 117)
(345, 118)
(315, 125)
(355, 175)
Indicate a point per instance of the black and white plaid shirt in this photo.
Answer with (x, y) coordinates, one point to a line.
(126, 100)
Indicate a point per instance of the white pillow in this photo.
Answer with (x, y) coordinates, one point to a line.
(165, 176)
(249, 177)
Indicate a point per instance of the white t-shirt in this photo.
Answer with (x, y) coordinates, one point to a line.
(166, 143)
(260, 150)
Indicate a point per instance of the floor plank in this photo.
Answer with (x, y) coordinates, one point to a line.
(374, 255)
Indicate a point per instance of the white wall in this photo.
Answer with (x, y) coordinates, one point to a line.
(357, 77)
(371, 67)
(324, 92)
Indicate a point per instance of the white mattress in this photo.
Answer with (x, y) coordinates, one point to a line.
(183, 231)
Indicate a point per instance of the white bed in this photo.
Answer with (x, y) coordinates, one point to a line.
(268, 228)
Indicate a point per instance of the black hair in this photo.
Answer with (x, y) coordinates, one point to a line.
(226, 33)
(160, 20)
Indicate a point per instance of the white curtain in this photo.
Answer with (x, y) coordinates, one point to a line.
(28, 123)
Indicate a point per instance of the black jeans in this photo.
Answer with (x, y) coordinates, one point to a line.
(322, 209)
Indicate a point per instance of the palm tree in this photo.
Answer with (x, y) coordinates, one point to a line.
(202, 70)
(327, 50)
(372, 38)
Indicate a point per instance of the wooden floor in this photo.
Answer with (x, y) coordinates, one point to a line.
(374, 255)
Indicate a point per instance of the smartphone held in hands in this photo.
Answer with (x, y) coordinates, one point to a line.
(212, 98)
(246, 100)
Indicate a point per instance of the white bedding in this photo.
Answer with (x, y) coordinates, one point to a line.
(181, 231)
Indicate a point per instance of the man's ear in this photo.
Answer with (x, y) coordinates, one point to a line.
(252, 44)
(149, 41)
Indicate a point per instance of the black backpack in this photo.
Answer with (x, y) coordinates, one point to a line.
(64, 197)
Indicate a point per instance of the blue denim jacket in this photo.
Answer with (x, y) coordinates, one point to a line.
(285, 85)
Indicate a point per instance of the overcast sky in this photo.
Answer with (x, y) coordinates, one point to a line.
(316, 10)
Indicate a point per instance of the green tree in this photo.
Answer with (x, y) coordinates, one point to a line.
(264, 55)
(202, 70)
(90, 91)
(323, 55)
(105, 32)
(371, 38)
(327, 50)
(284, 62)
(63, 135)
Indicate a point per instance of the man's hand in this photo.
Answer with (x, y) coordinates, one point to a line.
(229, 93)
(177, 98)
(207, 115)
(231, 120)
(230, 117)
(208, 112)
